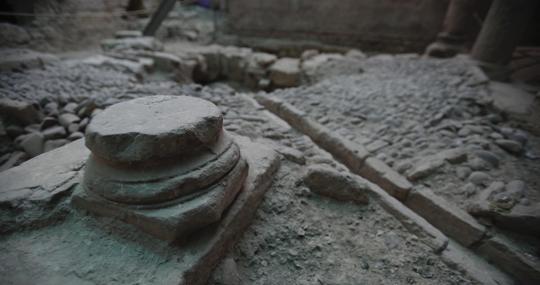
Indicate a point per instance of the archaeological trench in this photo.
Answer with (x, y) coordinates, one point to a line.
(215, 151)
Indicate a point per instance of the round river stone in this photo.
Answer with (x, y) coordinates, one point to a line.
(154, 128)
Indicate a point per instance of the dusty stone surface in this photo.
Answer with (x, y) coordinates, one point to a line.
(29, 192)
(153, 128)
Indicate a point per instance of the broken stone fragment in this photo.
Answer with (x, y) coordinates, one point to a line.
(325, 180)
(161, 163)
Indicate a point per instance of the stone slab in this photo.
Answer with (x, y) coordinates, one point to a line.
(30, 191)
(95, 250)
(450, 219)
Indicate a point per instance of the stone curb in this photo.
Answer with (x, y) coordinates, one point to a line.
(352, 155)
(426, 205)
(409, 219)
(453, 221)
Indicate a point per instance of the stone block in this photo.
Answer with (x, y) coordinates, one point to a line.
(388, 179)
(285, 72)
(448, 218)
(326, 181)
(29, 193)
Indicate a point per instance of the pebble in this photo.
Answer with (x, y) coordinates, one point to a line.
(463, 172)
(70, 107)
(75, 136)
(51, 109)
(519, 136)
(477, 163)
(488, 156)
(48, 122)
(32, 128)
(510, 145)
(82, 125)
(496, 136)
(14, 131)
(72, 128)
(33, 144)
(54, 133)
(67, 118)
(479, 178)
(469, 190)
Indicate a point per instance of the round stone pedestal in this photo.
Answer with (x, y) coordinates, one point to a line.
(162, 163)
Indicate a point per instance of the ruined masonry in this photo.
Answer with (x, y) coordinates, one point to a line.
(161, 163)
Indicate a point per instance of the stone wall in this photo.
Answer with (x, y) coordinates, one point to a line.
(383, 25)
